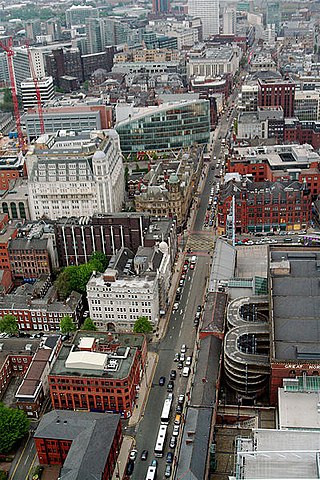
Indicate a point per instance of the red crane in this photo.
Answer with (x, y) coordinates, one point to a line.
(9, 51)
(38, 95)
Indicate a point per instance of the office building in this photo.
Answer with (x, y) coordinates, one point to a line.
(21, 64)
(53, 28)
(208, 12)
(85, 444)
(229, 22)
(169, 126)
(93, 35)
(28, 91)
(87, 179)
(214, 62)
(64, 61)
(160, 6)
(94, 361)
(79, 14)
(307, 105)
(33, 29)
(274, 92)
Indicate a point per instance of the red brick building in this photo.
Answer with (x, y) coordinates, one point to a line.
(264, 206)
(99, 372)
(29, 258)
(7, 233)
(296, 131)
(85, 444)
(274, 92)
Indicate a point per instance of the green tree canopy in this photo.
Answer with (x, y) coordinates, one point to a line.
(76, 277)
(8, 324)
(67, 324)
(88, 324)
(14, 424)
(142, 325)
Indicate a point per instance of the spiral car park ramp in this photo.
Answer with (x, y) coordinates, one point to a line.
(246, 346)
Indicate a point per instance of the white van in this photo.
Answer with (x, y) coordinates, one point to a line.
(193, 259)
(186, 372)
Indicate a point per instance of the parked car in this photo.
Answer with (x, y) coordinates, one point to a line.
(182, 357)
(170, 386)
(176, 429)
(175, 306)
(169, 457)
(188, 361)
(180, 365)
(181, 399)
(173, 374)
(133, 455)
(154, 463)
(168, 470)
(130, 467)
(183, 348)
(162, 381)
(179, 408)
(176, 357)
(173, 442)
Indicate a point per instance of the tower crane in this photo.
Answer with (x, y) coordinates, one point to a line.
(9, 51)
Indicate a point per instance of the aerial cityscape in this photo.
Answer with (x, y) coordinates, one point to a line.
(159, 239)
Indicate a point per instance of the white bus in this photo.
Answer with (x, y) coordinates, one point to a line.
(166, 411)
(151, 473)
(161, 440)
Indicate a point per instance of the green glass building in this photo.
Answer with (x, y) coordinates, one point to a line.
(166, 127)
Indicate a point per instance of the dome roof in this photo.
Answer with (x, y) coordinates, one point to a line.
(163, 247)
(99, 155)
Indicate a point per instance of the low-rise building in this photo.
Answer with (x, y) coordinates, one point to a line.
(36, 306)
(264, 206)
(29, 258)
(266, 122)
(12, 162)
(85, 444)
(127, 290)
(214, 62)
(307, 105)
(167, 189)
(75, 174)
(99, 371)
(8, 232)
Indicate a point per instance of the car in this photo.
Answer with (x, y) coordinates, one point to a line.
(181, 399)
(186, 262)
(179, 408)
(179, 290)
(180, 365)
(211, 223)
(176, 429)
(173, 442)
(173, 374)
(183, 276)
(176, 357)
(196, 322)
(162, 381)
(198, 315)
(183, 348)
(130, 467)
(182, 357)
(133, 454)
(185, 267)
(199, 308)
(168, 471)
(175, 306)
(170, 386)
(188, 361)
(192, 266)
(178, 296)
(169, 457)
(170, 396)
(144, 455)
(154, 463)
(186, 372)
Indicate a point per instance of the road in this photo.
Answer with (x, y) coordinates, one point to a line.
(22, 464)
(180, 326)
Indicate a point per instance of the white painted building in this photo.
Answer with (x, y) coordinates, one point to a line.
(213, 62)
(116, 302)
(28, 91)
(75, 174)
(229, 21)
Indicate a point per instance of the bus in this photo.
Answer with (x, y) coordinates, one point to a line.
(166, 411)
(151, 473)
(161, 440)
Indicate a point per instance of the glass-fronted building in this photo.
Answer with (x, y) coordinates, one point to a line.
(168, 126)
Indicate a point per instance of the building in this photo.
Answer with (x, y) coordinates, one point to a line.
(266, 122)
(14, 200)
(110, 233)
(248, 98)
(94, 61)
(307, 105)
(214, 62)
(8, 232)
(208, 12)
(307, 132)
(132, 291)
(87, 180)
(28, 91)
(29, 258)
(169, 126)
(93, 35)
(64, 61)
(79, 14)
(33, 29)
(160, 6)
(53, 28)
(168, 188)
(34, 388)
(85, 444)
(99, 371)
(264, 206)
(64, 115)
(273, 14)
(21, 65)
(273, 92)
(229, 22)
(15, 357)
(146, 55)
(36, 306)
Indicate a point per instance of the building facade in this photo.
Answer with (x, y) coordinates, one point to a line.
(208, 12)
(99, 372)
(169, 126)
(274, 92)
(29, 258)
(28, 91)
(88, 180)
(214, 62)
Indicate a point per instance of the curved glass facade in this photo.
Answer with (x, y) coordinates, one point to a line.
(170, 126)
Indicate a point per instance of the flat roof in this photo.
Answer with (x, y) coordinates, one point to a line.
(296, 305)
(252, 261)
(298, 410)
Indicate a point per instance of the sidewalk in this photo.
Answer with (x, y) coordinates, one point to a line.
(138, 413)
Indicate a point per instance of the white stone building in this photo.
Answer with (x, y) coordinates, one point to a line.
(213, 62)
(75, 174)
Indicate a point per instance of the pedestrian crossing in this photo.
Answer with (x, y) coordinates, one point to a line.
(200, 241)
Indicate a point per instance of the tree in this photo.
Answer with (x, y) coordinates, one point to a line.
(101, 258)
(67, 324)
(142, 325)
(9, 324)
(88, 324)
(14, 424)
